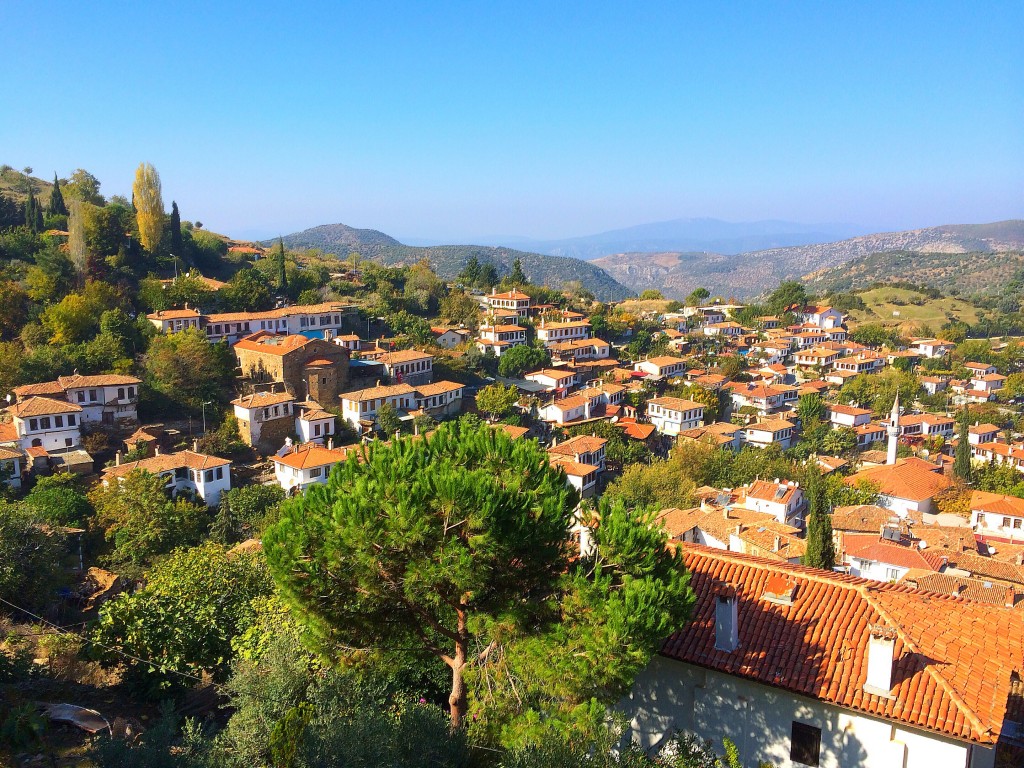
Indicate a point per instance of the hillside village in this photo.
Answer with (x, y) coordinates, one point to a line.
(847, 497)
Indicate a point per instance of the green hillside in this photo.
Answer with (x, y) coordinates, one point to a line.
(448, 260)
(906, 307)
(966, 274)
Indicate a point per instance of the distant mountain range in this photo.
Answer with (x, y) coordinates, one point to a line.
(448, 260)
(750, 274)
(681, 235)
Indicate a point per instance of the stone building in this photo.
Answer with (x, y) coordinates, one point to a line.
(310, 369)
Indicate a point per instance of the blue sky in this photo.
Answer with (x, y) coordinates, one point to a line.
(449, 120)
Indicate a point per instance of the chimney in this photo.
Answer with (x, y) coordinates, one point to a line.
(1009, 598)
(195, 445)
(330, 443)
(157, 449)
(117, 459)
(778, 543)
(726, 622)
(881, 655)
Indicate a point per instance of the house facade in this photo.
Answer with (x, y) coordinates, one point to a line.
(672, 415)
(206, 477)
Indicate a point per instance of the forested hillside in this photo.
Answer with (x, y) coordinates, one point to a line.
(449, 260)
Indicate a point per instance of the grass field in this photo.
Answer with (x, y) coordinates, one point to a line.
(636, 306)
(894, 306)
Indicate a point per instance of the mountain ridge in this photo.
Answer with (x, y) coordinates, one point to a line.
(448, 260)
(750, 274)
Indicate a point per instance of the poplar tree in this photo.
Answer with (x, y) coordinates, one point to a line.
(57, 205)
(962, 468)
(457, 544)
(149, 206)
(821, 550)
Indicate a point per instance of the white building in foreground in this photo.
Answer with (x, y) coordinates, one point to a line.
(801, 667)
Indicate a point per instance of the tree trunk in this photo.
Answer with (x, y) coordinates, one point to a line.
(457, 700)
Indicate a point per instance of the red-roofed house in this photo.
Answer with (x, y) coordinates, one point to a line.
(997, 517)
(801, 667)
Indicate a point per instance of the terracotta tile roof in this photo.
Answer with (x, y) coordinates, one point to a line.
(781, 493)
(8, 433)
(552, 373)
(577, 445)
(506, 328)
(568, 403)
(573, 468)
(173, 314)
(664, 361)
(869, 546)
(313, 455)
(272, 344)
(676, 404)
(439, 388)
(272, 314)
(372, 393)
(166, 462)
(9, 453)
(955, 661)
(636, 431)
(848, 410)
(100, 380)
(404, 356)
(982, 429)
(965, 588)
(771, 425)
(861, 518)
(46, 389)
(997, 503)
(510, 296)
(977, 565)
(513, 431)
(903, 480)
(42, 406)
(262, 399)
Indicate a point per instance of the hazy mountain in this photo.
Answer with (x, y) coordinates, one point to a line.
(448, 260)
(682, 235)
(750, 274)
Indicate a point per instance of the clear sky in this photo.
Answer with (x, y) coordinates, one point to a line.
(548, 119)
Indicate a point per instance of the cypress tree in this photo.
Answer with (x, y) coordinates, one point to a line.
(30, 211)
(57, 205)
(962, 458)
(282, 275)
(39, 225)
(517, 276)
(175, 230)
(821, 550)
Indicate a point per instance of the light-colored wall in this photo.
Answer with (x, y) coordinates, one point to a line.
(670, 696)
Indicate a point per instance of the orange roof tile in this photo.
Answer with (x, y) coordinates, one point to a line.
(166, 462)
(42, 406)
(262, 399)
(956, 662)
(313, 455)
(903, 480)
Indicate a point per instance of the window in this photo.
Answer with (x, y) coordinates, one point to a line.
(805, 746)
(1006, 522)
(120, 393)
(33, 425)
(316, 430)
(71, 420)
(67, 442)
(58, 421)
(1016, 522)
(81, 396)
(315, 472)
(219, 473)
(44, 423)
(93, 397)
(891, 574)
(131, 391)
(208, 476)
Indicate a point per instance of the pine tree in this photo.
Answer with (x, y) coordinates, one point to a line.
(962, 458)
(57, 206)
(470, 274)
(282, 274)
(176, 247)
(517, 276)
(821, 550)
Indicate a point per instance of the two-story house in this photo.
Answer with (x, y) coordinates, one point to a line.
(500, 337)
(206, 477)
(661, 367)
(299, 467)
(265, 419)
(514, 301)
(47, 423)
(550, 334)
(672, 415)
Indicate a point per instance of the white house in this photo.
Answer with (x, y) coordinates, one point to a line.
(586, 449)
(821, 316)
(870, 556)
(43, 422)
(174, 320)
(305, 465)
(782, 499)
(513, 301)
(109, 399)
(323, 321)
(207, 477)
(558, 380)
(312, 423)
(408, 366)
(672, 415)
(932, 347)
(581, 349)
(778, 432)
(847, 415)
(800, 667)
(582, 477)
(449, 338)
(726, 328)
(362, 405)
(907, 486)
(995, 517)
(264, 418)
(982, 433)
(661, 367)
(12, 462)
(553, 333)
(499, 338)
(440, 399)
